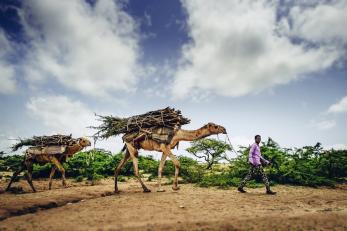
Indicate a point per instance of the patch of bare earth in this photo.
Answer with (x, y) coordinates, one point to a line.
(191, 208)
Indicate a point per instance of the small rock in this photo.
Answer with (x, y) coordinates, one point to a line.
(182, 206)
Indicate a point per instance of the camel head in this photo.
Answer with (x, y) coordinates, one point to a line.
(84, 142)
(215, 128)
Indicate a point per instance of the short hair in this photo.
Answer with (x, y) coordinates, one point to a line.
(257, 136)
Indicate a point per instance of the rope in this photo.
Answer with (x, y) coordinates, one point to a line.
(231, 146)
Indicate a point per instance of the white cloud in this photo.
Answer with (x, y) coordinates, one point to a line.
(61, 114)
(238, 48)
(7, 77)
(339, 107)
(64, 115)
(147, 19)
(8, 82)
(90, 49)
(323, 124)
(323, 23)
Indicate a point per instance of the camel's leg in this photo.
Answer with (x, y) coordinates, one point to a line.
(160, 170)
(29, 175)
(56, 162)
(177, 170)
(119, 168)
(51, 176)
(137, 174)
(22, 167)
(133, 155)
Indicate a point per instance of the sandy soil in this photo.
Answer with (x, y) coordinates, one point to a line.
(81, 207)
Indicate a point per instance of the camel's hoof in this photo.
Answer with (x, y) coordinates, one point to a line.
(160, 190)
(116, 191)
(176, 188)
(146, 190)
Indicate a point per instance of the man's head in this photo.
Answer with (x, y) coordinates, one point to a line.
(257, 139)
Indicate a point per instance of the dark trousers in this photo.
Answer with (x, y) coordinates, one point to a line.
(253, 171)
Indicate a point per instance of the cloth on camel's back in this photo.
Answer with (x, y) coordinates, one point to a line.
(160, 135)
(48, 150)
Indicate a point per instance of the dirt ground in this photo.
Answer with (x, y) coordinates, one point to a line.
(84, 207)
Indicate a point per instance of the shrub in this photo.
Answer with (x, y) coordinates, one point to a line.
(309, 166)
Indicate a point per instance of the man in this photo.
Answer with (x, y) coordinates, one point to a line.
(254, 160)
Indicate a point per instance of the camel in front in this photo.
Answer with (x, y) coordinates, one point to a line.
(152, 145)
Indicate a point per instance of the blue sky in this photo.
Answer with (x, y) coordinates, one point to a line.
(257, 67)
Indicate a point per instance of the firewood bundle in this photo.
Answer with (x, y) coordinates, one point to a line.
(43, 141)
(167, 117)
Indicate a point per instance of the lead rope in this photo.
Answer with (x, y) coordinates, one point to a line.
(231, 146)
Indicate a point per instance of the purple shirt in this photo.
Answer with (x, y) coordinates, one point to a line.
(255, 155)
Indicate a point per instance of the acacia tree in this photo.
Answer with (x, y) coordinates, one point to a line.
(211, 150)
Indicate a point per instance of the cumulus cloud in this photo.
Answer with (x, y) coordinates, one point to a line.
(7, 71)
(240, 47)
(322, 23)
(90, 48)
(339, 107)
(61, 114)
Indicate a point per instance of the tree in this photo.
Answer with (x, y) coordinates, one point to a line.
(211, 150)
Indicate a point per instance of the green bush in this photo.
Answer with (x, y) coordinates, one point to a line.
(79, 178)
(10, 162)
(309, 166)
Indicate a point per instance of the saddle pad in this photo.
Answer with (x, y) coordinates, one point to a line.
(50, 150)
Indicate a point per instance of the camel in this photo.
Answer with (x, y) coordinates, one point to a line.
(151, 145)
(38, 155)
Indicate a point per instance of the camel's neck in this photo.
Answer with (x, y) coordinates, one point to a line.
(191, 135)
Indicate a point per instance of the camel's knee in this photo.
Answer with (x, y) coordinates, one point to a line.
(118, 169)
(62, 171)
(160, 169)
(177, 164)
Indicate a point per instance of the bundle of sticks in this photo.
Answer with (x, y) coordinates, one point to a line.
(167, 117)
(43, 141)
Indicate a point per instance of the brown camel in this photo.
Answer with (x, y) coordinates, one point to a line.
(151, 145)
(39, 155)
